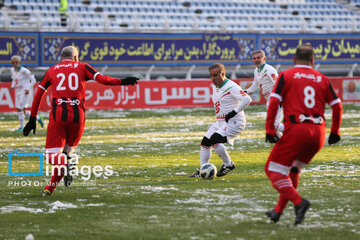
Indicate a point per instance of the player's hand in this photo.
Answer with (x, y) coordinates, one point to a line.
(271, 138)
(31, 125)
(230, 115)
(333, 138)
(129, 81)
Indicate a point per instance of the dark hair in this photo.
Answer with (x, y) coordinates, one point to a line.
(218, 65)
(304, 52)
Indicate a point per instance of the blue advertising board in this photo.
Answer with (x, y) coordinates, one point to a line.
(328, 48)
(150, 49)
(135, 49)
(22, 44)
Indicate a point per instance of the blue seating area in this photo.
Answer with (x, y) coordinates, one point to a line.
(259, 16)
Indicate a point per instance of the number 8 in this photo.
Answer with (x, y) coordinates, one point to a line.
(309, 100)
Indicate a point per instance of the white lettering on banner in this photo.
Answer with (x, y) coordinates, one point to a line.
(148, 100)
(108, 95)
(5, 98)
(88, 94)
(201, 98)
(177, 94)
(124, 96)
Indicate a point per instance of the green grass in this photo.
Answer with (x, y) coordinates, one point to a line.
(149, 196)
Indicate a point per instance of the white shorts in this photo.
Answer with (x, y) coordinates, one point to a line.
(22, 100)
(230, 130)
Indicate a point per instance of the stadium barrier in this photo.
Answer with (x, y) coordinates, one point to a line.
(164, 94)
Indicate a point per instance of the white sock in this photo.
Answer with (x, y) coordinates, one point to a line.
(27, 114)
(205, 155)
(21, 119)
(223, 154)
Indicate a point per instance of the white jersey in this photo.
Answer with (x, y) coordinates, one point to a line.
(264, 77)
(22, 79)
(226, 98)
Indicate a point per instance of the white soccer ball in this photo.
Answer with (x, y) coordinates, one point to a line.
(208, 171)
(29, 237)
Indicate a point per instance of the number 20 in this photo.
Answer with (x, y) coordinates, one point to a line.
(73, 81)
(309, 99)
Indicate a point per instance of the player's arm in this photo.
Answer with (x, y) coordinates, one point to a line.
(245, 100)
(254, 86)
(275, 99)
(30, 77)
(337, 110)
(42, 88)
(91, 73)
(12, 82)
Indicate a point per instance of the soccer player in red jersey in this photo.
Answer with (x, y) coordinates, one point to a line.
(67, 116)
(303, 93)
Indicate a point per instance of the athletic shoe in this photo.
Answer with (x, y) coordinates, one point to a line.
(68, 178)
(45, 193)
(40, 120)
(224, 170)
(274, 216)
(300, 210)
(20, 129)
(196, 174)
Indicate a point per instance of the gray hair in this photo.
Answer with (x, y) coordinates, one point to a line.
(69, 52)
(258, 51)
(16, 57)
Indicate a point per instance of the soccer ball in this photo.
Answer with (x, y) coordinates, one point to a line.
(208, 171)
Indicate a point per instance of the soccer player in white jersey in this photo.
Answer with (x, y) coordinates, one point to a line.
(264, 77)
(229, 102)
(22, 81)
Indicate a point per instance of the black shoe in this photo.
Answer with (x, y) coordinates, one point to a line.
(274, 216)
(225, 170)
(197, 174)
(300, 210)
(68, 178)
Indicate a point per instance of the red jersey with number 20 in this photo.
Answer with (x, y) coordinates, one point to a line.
(303, 92)
(68, 81)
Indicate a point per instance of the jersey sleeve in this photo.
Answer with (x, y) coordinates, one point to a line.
(42, 88)
(335, 103)
(30, 77)
(239, 94)
(91, 73)
(12, 79)
(272, 75)
(275, 99)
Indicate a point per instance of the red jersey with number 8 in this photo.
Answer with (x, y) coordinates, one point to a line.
(304, 92)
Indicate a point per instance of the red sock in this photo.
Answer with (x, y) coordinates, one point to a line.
(282, 202)
(59, 162)
(284, 186)
(294, 176)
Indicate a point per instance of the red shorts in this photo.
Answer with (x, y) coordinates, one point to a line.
(300, 142)
(60, 133)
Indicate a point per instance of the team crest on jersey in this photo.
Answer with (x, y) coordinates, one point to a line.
(242, 93)
(273, 76)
